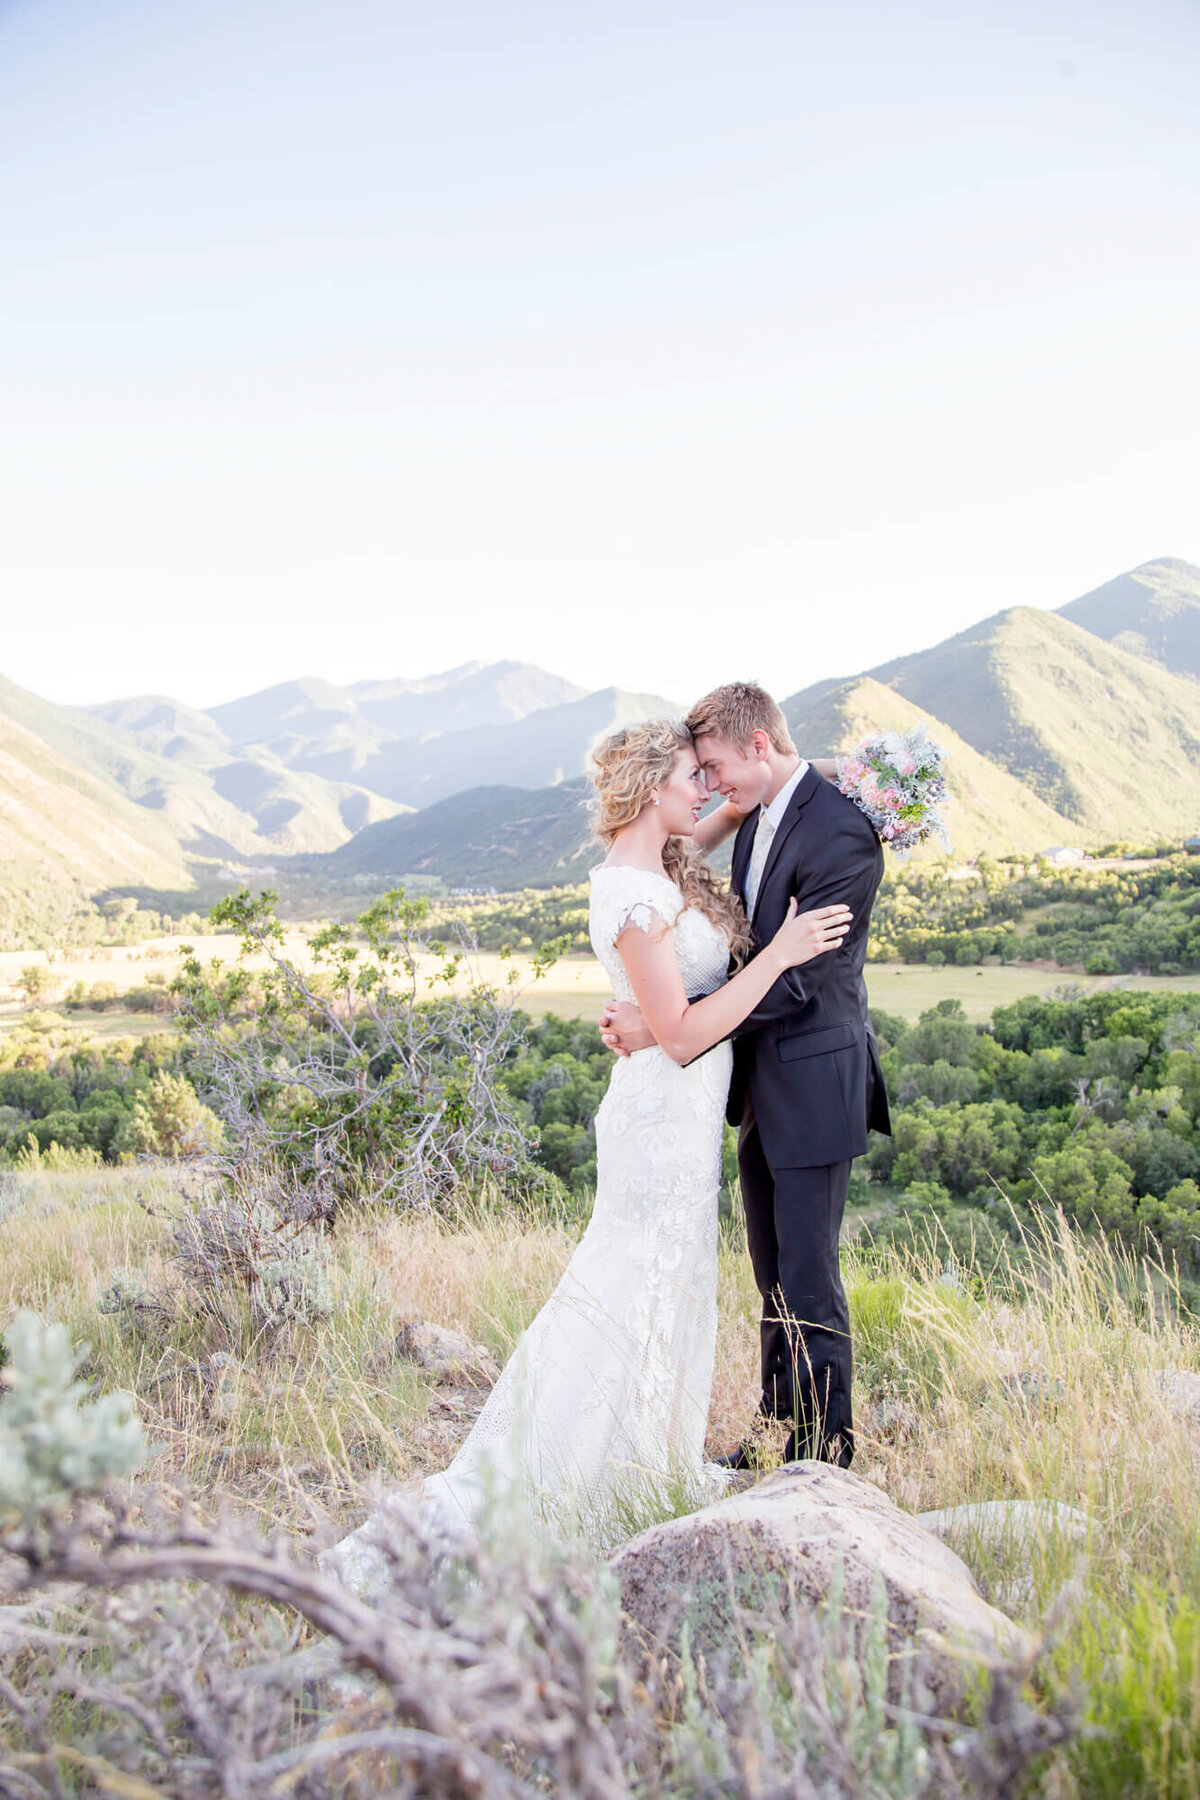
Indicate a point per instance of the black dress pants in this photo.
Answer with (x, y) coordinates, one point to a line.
(793, 1226)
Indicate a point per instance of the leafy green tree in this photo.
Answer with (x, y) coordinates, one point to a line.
(170, 1120)
(1174, 1222)
(942, 1034)
(940, 1082)
(1092, 1184)
(35, 982)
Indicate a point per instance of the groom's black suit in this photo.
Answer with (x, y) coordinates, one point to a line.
(806, 1089)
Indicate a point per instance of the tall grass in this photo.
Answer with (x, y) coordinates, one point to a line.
(1058, 1393)
(1051, 1387)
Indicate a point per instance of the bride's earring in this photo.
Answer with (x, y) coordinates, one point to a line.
(654, 797)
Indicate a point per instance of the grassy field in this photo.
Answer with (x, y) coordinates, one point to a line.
(1061, 1390)
(576, 986)
(910, 988)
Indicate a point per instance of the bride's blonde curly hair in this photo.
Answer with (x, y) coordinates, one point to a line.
(627, 767)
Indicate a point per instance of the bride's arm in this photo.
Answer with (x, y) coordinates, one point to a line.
(712, 830)
(715, 827)
(686, 1029)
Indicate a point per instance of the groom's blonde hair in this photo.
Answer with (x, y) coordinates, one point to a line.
(735, 712)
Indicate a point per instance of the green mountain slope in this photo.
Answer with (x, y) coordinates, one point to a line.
(1152, 611)
(65, 834)
(1057, 727)
(1105, 738)
(203, 823)
(988, 809)
(490, 837)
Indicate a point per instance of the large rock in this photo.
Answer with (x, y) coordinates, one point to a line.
(1023, 1525)
(446, 1354)
(1181, 1390)
(786, 1541)
(1009, 1543)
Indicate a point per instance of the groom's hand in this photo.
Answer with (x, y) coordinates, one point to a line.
(623, 1028)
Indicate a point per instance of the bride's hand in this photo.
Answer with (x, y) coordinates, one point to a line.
(804, 935)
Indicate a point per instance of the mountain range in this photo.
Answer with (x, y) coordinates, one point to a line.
(1075, 726)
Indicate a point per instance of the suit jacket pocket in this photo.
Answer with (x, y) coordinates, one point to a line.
(842, 1036)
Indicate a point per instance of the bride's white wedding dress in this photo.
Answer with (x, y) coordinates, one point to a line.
(602, 1407)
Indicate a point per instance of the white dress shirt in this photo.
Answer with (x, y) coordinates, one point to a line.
(769, 820)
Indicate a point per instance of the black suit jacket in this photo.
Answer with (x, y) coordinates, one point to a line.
(806, 1056)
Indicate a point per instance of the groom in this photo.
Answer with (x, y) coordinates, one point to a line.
(806, 1084)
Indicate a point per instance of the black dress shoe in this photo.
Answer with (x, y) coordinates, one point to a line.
(744, 1458)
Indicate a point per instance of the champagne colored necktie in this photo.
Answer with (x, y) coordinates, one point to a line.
(764, 832)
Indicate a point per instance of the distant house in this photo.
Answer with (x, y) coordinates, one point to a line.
(1065, 853)
(1192, 846)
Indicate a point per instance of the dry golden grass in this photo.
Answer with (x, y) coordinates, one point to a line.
(1060, 1393)
(1057, 1388)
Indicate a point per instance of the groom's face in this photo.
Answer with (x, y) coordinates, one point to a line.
(741, 774)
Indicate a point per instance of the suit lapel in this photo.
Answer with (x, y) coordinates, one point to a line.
(743, 844)
(805, 789)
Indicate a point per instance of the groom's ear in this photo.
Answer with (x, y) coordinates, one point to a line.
(760, 743)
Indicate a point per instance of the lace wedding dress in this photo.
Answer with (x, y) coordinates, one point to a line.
(600, 1412)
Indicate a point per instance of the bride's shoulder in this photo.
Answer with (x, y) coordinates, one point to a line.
(622, 896)
(623, 875)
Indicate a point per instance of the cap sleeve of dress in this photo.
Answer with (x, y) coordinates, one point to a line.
(622, 897)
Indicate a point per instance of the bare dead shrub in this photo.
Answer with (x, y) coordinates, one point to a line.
(491, 1677)
(367, 1075)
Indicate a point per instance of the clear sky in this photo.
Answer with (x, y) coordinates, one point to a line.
(651, 342)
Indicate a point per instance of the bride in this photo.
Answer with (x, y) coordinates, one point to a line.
(600, 1413)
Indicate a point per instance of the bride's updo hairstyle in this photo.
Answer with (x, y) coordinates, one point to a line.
(627, 767)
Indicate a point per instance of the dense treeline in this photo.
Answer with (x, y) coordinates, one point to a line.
(1102, 920)
(1092, 1104)
(1105, 921)
(522, 922)
(76, 1103)
(40, 917)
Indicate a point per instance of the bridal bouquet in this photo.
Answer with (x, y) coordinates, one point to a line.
(895, 777)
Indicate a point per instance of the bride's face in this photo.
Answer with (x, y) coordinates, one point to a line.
(683, 796)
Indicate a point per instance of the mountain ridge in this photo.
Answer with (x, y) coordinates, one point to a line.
(1152, 611)
(1108, 739)
(1054, 732)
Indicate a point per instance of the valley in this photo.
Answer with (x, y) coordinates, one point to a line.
(1076, 727)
